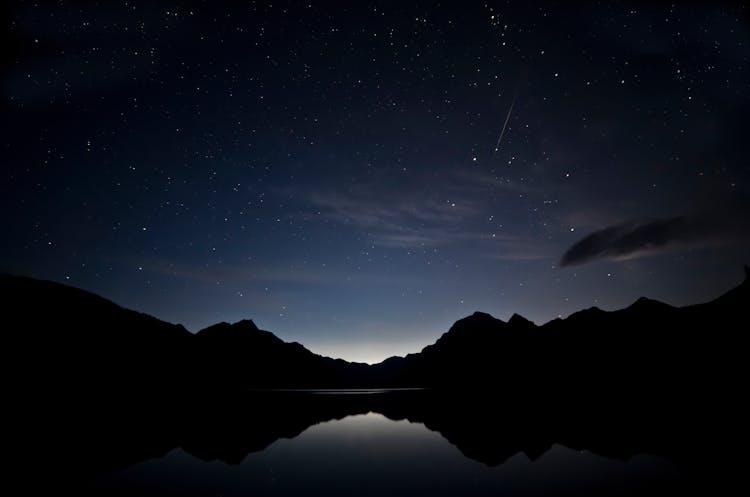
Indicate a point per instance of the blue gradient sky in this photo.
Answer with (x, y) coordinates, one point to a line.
(331, 172)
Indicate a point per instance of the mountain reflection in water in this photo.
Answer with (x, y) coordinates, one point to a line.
(345, 447)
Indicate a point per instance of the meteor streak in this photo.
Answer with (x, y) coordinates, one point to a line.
(505, 124)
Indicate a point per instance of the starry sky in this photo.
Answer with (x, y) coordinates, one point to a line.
(356, 176)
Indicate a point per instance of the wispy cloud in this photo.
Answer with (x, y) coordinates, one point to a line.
(641, 238)
(408, 240)
(402, 218)
(233, 273)
(248, 276)
(516, 248)
(484, 181)
(449, 208)
(375, 208)
(521, 252)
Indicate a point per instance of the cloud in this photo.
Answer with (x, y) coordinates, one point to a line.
(429, 210)
(248, 276)
(517, 249)
(635, 239)
(516, 256)
(409, 239)
(480, 182)
(402, 219)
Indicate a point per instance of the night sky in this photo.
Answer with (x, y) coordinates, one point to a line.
(356, 176)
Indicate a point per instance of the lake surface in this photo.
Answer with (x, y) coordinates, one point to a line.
(370, 454)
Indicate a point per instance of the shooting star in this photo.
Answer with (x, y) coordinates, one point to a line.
(505, 124)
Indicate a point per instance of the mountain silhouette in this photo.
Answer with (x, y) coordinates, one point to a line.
(228, 356)
(647, 350)
(228, 428)
(63, 335)
(481, 429)
(113, 386)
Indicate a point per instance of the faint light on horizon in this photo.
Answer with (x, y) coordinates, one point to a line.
(368, 353)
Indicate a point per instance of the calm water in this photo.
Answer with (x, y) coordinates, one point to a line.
(369, 454)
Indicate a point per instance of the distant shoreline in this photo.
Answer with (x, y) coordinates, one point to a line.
(335, 391)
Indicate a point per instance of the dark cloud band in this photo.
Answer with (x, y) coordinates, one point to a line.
(629, 239)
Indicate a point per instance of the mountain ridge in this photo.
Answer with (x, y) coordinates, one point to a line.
(115, 386)
(237, 355)
(515, 319)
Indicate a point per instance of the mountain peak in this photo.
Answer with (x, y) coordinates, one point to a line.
(246, 323)
(644, 303)
(478, 319)
(516, 320)
(481, 315)
(244, 327)
(587, 313)
(470, 327)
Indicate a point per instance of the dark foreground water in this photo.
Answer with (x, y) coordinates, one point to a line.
(367, 453)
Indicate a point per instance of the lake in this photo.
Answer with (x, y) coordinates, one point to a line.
(362, 452)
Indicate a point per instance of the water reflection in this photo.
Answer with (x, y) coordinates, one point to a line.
(371, 454)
